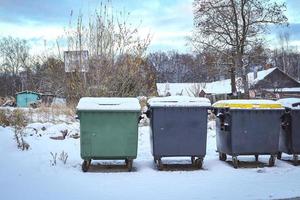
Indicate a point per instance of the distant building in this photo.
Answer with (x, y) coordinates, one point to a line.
(29, 98)
(26, 98)
(270, 83)
(273, 83)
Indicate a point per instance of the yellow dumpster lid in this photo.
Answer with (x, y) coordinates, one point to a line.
(248, 104)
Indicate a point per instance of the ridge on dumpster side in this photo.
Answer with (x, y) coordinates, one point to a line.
(108, 104)
(248, 104)
(293, 103)
(179, 101)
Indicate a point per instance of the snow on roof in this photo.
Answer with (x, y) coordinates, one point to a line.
(108, 103)
(28, 92)
(290, 102)
(174, 88)
(179, 101)
(260, 75)
(294, 89)
(248, 104)
(193, 89)
(218, 87)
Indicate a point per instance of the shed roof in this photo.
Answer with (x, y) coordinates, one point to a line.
(28, 92)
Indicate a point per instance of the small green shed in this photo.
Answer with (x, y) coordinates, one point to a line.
(25, 98)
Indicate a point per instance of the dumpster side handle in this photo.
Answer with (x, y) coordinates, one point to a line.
(286, 119)
(223, 126)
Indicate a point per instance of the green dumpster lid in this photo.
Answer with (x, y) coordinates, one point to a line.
(108, 103)
(179, 101)
(248, 104)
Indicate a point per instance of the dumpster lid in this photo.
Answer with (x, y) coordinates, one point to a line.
(293, 103)
(180, 101)
(248, 104)
(108, 103)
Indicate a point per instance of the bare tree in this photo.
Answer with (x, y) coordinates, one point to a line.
(13, 58)
(116, 51)
(231, 27)
(14, 54)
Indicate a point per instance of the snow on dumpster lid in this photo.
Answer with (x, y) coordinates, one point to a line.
(248, 104)
(290, 102)
(108, 103)
(180, 101)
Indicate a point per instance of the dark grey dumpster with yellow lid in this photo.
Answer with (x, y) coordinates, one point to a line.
(247, 127)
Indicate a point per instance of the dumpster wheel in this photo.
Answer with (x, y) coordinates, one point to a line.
(235, 162)
(199, 163)
(272, 160)
(295, 159)
(193, 160)
(159, 164)
(85, 165)
(222, 156)
(129, 163)
(279, 155)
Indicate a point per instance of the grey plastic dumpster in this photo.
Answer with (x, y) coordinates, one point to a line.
(108, 129)
(289, 141)
(247, 127)
(178, 128)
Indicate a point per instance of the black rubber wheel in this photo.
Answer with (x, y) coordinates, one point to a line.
(256, 158)
(129, 163)
(85, 165)
(279, 155)
(295, 159)
(222, 156)
(193, 160)
(272, 160)
(199, 163)
(160, 165)
(235, 162)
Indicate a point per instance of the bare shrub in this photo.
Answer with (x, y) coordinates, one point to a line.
(63, 157)
(19, 121)
(53, 158)
(4, 117)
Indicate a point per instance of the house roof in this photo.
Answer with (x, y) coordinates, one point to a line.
(188, 89)
(28, 92)
(260, 75)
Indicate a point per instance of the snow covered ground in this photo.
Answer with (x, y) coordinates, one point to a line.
(32, 175)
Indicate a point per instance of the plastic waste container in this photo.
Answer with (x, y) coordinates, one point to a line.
(108, 129)
(178, 128)
(289, 140)
(247, 127)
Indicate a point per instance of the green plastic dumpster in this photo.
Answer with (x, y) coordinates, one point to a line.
(108, 129)
(247, 127)
(289, 141)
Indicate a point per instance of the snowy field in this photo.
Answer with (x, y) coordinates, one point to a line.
(32, 175)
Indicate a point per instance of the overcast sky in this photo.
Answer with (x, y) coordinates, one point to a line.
(169, 21)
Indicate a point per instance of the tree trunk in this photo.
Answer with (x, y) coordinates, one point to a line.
(233, 84)
(245, 84)
(245, 80)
